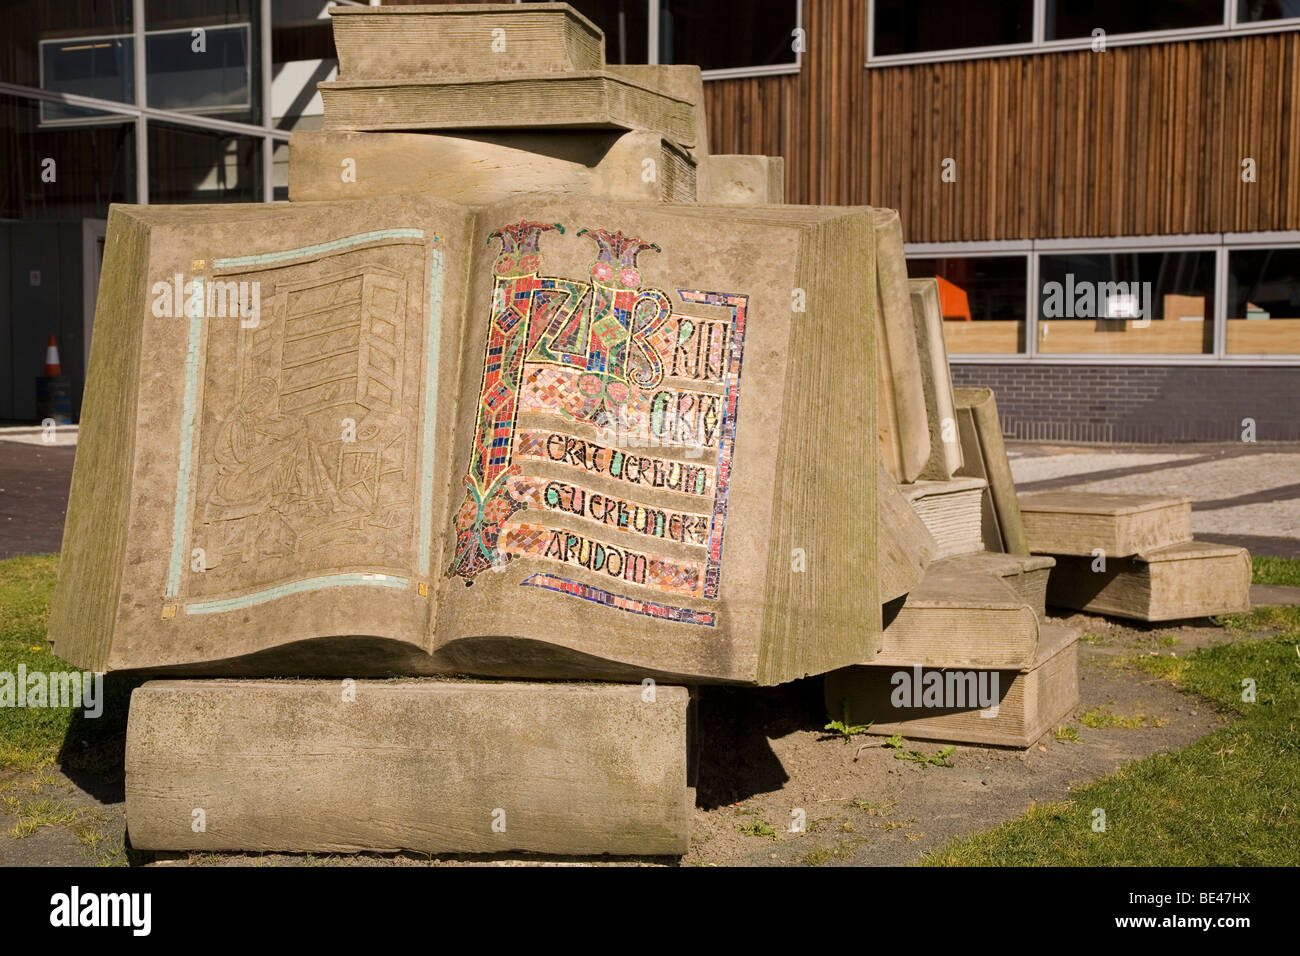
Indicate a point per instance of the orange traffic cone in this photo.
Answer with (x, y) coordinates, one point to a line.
(52, 366)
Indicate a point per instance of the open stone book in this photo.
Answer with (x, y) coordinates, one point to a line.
(549, 437)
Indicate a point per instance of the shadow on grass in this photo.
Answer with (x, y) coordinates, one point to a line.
(93, 752)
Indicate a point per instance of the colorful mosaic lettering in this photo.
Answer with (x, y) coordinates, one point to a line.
(570, 361)
(621, 563)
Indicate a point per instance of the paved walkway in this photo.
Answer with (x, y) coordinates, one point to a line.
(34, 483)
(1247, 494)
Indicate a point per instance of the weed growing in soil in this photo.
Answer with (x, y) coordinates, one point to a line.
(937, 759)
(844, 729)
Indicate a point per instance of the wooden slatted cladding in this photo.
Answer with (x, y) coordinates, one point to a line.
(1139, 140)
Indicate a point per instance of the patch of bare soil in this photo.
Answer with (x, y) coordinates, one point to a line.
(765, 763)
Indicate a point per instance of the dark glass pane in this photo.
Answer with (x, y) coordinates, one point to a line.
(1264, 302)
(1067, 19)
(919, 26)
(192, 165)
(280, 172)
(302, 55)
(33, 31)
(983, 301)
(63, 171)
(1126, 303)
(99, 66)
(1253, 11)
(721, 36)
(625, 22)
(203, 57)
(56, 183)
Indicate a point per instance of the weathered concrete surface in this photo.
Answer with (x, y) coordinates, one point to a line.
(1080, 523)
(1197, 579)
(936, 381)
(429, 766)
(1243, 493)
(745, 180)
(465, 39)
(587, 99)
(984, 455)
(488, 167)
(1026, 704)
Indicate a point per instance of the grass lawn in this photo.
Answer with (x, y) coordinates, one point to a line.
(29, 736)
(1276, 571)
(32, 737)
(1232, 798)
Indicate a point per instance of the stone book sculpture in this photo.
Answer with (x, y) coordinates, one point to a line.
(549, 437)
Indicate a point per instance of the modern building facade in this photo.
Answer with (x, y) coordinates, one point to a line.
(132, 101)
(1039, 146)
(1111, 190)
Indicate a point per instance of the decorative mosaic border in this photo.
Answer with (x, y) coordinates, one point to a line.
(739, 304)
(619, 602)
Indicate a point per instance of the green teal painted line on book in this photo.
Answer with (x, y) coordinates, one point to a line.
(431, 354)
(194, 307)
(319, 249)
(184, 467)
(357, 580)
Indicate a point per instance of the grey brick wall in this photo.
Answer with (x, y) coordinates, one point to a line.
(1126, 403)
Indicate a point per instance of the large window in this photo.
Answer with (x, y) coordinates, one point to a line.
(191, 102)
(1190, 299)
(56, 184)
(983, 300)
(199, 58)
(921, 30)
(1264, 302)
(1125, 303)
(919, 26)
(722, 37)
(99, 66)
(32, 29)
(199, 165)
(1066, 19)
(302, 56)
(728, 36)
(1254, 11)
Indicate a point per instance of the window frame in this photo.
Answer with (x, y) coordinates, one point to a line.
(141, 113)
(1227, 27)
(1221, 244)
(245, 26)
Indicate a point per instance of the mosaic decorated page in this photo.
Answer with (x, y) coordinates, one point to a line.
(605, 428)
